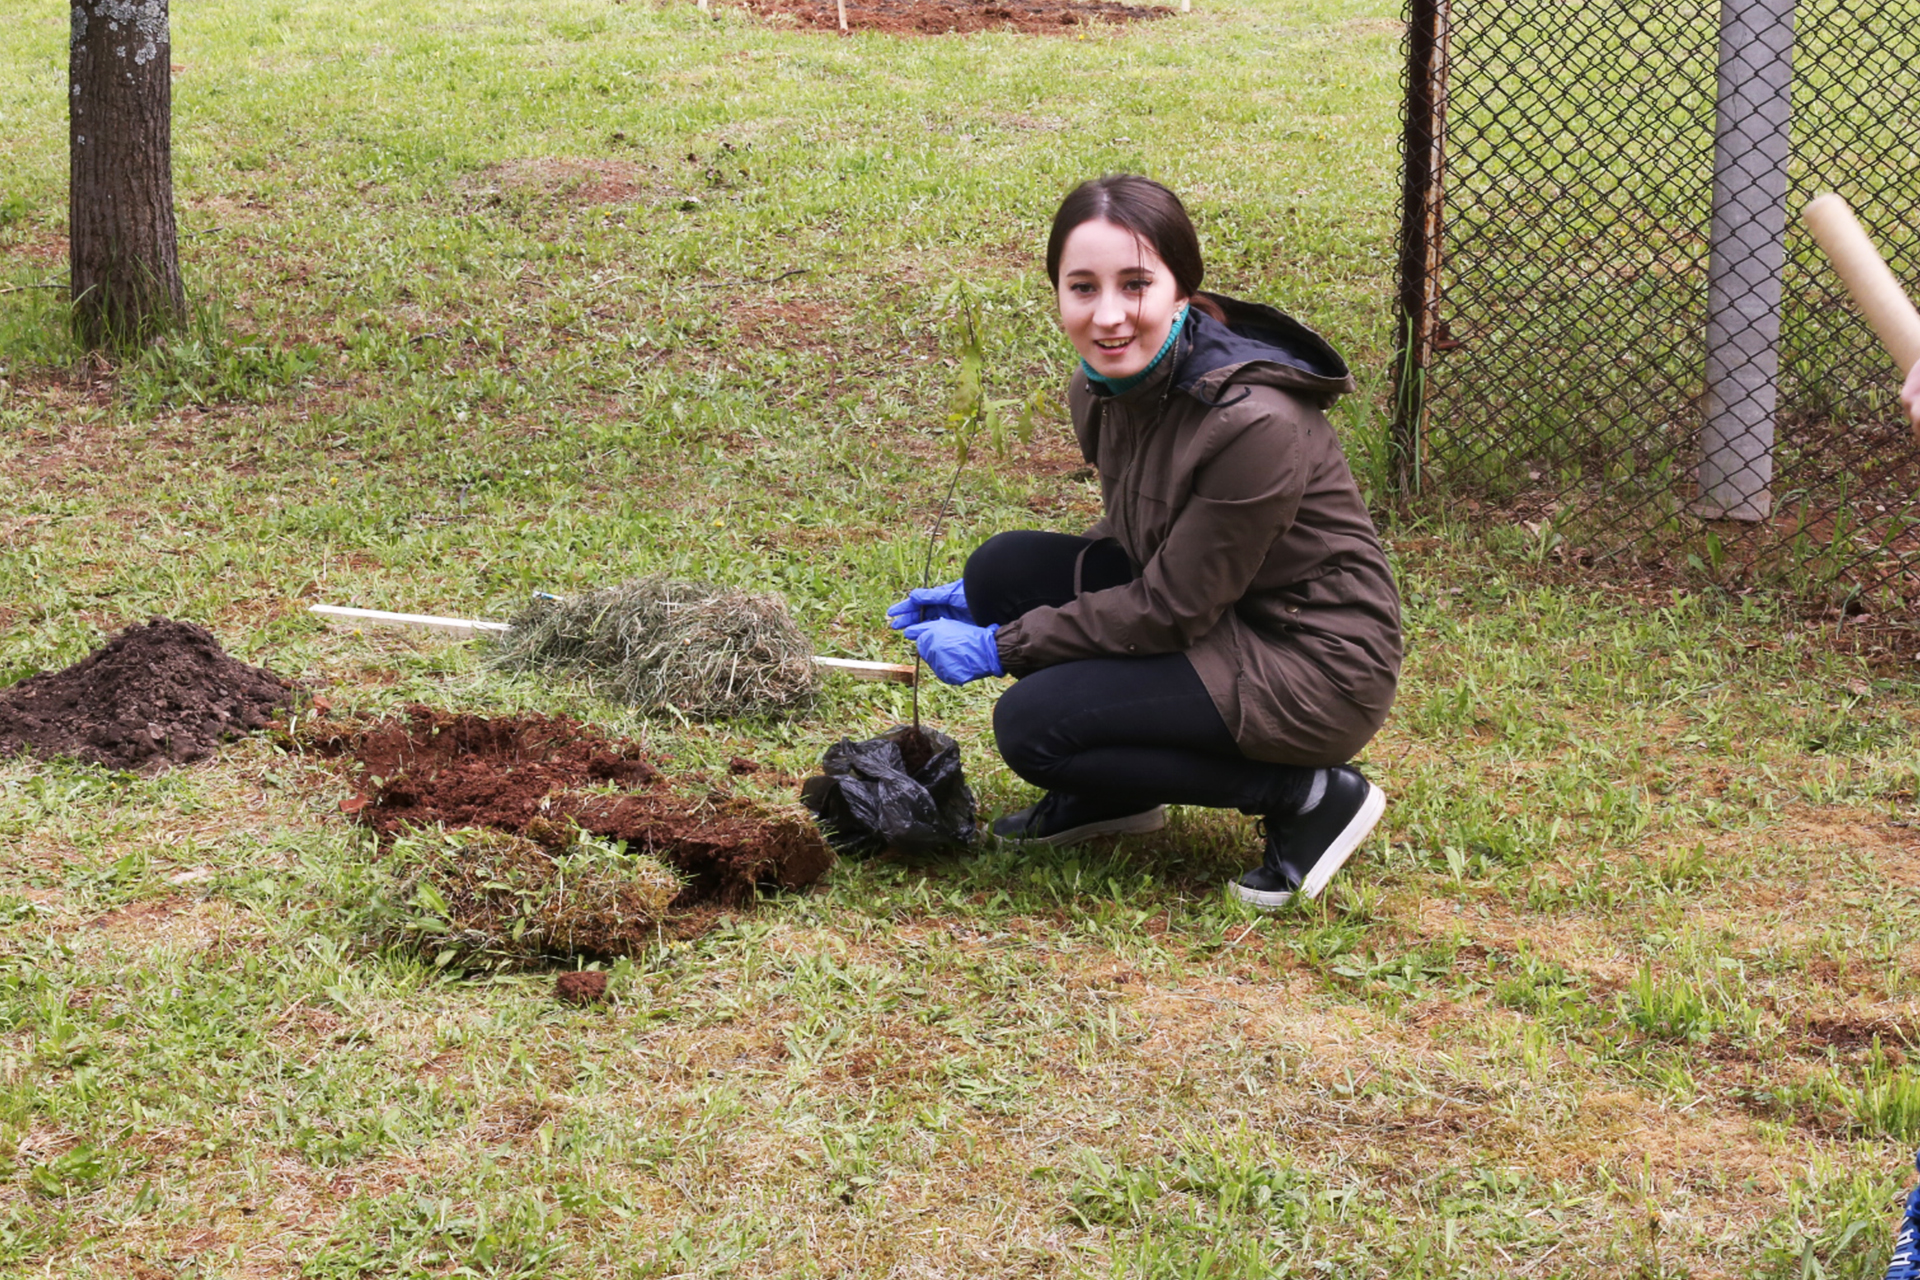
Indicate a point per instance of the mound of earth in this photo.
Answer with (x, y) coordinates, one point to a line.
(523, 775)
(959, 17)
(154, 696)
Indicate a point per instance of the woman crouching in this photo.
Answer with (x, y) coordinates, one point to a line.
(1228, 634)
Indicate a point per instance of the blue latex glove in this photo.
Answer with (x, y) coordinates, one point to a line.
(957, 651)
(924, 604)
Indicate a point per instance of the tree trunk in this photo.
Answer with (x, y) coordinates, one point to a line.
(124, 251)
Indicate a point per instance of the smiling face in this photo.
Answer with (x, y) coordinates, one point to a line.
(1117, 298)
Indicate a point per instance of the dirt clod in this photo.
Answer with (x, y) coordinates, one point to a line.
(723, 845)
(583, 986)
(152, 697)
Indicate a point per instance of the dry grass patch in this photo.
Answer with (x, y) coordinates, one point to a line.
(585, 180)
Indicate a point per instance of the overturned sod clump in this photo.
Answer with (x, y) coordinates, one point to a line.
(526, 777)
(152, 697)
(476, 898)
(725, 846)
(660, 643)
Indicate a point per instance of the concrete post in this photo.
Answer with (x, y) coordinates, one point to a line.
(1746, 256)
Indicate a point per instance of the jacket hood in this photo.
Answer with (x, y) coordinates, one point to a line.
(1257, 346)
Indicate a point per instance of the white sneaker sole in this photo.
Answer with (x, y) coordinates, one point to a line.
(1134, 824)
(1358, 828)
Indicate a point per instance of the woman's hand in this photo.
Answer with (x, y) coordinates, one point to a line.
(957, 651)
(1910, 395)
(925, 604)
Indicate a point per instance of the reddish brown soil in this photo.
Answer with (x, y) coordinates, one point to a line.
(520, 774)
(955, 17)
(152, 697)
(467, 771)
(723, 845)
(582, 986)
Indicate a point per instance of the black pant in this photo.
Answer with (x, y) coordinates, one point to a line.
(1126, 733)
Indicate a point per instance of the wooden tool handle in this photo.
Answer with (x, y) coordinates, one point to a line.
(459, 628)
(468, 628)
(1873, 287)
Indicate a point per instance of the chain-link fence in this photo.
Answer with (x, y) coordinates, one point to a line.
(1615, 330)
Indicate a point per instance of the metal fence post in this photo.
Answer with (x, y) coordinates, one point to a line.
(1424, 153)
(1753, 105)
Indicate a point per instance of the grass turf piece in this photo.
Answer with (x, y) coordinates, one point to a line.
(484, 899)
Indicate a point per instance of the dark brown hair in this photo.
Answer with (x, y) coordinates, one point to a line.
(1147, 209)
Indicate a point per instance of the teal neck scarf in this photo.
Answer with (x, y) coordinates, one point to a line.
(1120, 386)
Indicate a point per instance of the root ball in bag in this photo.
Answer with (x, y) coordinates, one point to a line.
(902, 790)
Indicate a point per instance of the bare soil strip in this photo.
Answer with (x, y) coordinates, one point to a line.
(955, 17)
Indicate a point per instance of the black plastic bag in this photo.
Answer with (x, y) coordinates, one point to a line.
(869, 796)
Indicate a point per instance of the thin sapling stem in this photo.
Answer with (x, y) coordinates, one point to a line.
(971, 411)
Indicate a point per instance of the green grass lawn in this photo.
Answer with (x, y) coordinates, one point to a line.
(505, 297)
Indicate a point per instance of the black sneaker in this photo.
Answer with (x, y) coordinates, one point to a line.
(1905, 1263)
(1061, 819)
(1303, 852)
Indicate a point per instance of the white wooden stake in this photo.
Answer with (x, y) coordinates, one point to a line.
(459, 628)
(468, 628)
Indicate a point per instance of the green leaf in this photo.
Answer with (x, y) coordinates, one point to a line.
(146, 1200)
(428, 898)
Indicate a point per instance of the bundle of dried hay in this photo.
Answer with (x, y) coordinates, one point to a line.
(660, 643)
(476, 898)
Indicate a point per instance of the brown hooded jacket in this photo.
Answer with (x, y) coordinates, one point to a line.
(1225, 484)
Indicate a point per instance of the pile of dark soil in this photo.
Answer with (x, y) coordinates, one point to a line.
(154, 696)
(522, 775)
(942, 17)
